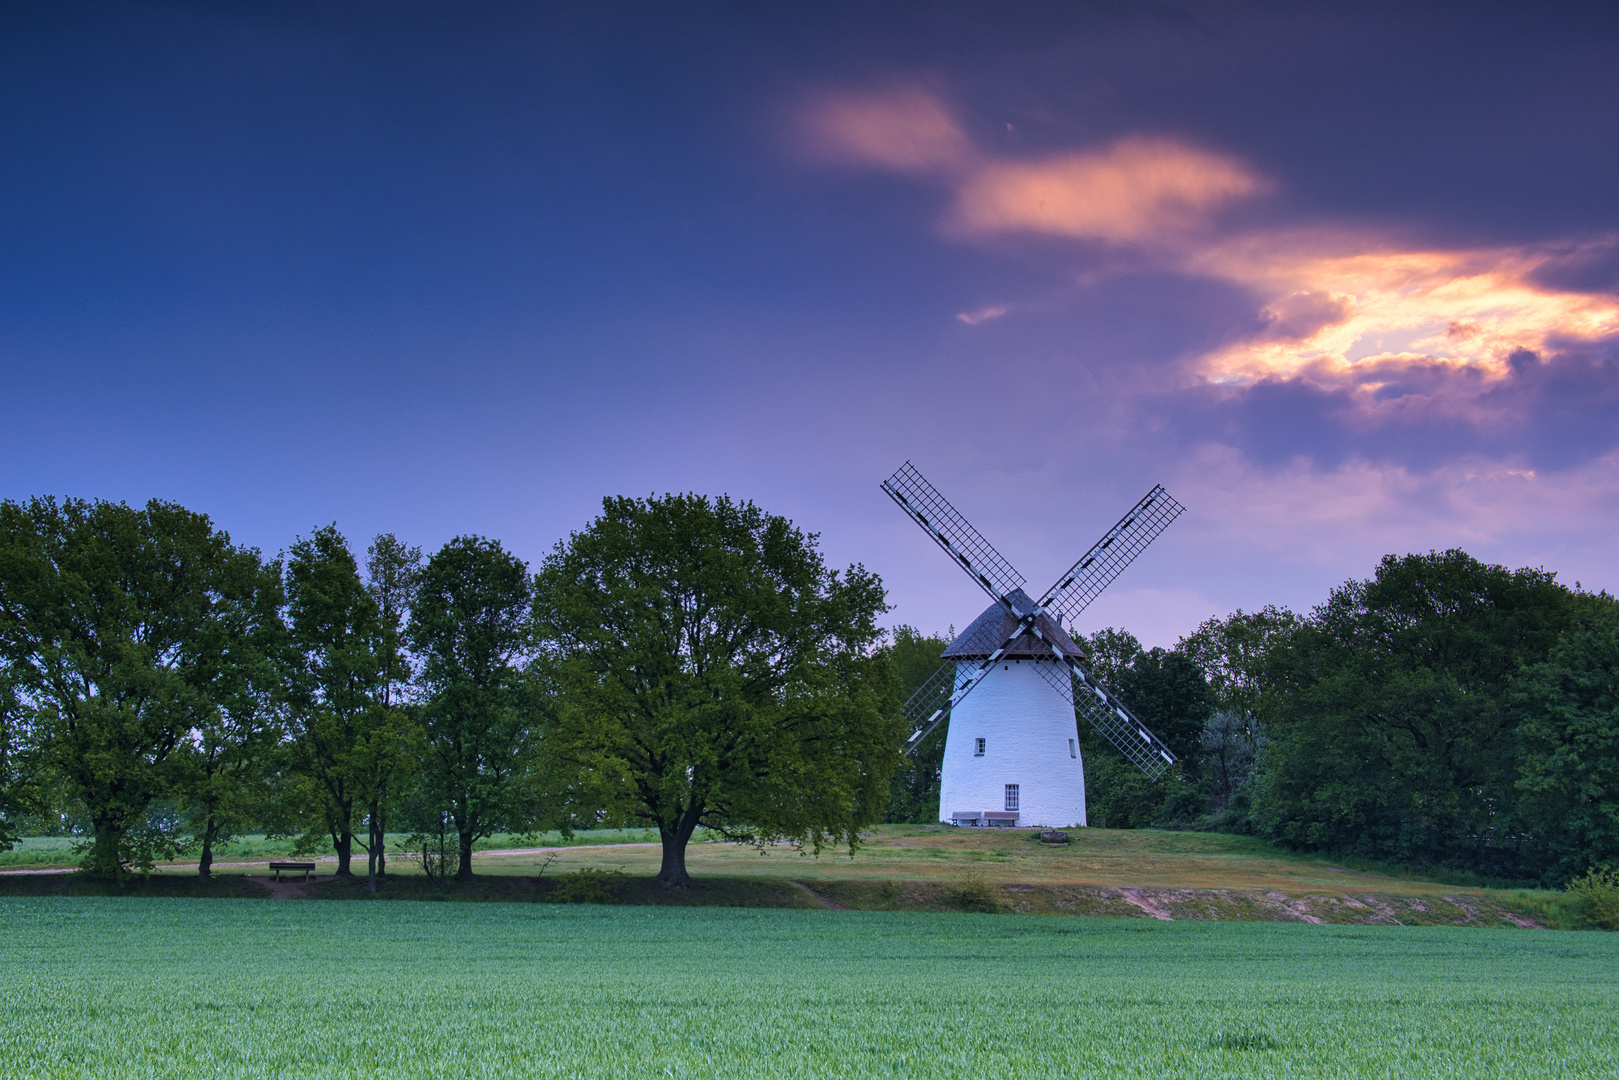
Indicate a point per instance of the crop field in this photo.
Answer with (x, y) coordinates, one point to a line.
(99, 987)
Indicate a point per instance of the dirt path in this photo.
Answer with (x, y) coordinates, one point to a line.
(1146, 903)
(829, 902)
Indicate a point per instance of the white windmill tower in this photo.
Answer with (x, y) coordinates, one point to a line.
(1011, 755)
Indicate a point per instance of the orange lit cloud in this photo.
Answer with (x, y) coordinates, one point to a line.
(1133, 191)
(1342, 312)
(904, 130)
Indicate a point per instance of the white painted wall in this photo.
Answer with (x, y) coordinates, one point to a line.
(1026, 725)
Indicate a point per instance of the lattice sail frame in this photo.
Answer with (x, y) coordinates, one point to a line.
(963, 543)
(1083, 582)
(1105, 561)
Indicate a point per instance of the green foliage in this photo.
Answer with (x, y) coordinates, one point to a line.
(20, 764)
(1598, 890)
(176, 987)
(1170, 694)
(1569, 737)
(586, 886)
(914, 790)
(714, 672)
(1238, 655)
(123, 632)
(975, 891)
(351, 742)
(1230, 747)
(471, 629)
(1391, 738)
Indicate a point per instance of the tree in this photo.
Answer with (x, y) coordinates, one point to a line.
(20, 755)
(225, 770)
(1391, 738)
(715, 673)
(393, 570)
(1230, 743)
(472, 629)
(341, 646)
(1236, 653)
(914, 790)
(1569, 736)
(1170, 694)
(121, 629)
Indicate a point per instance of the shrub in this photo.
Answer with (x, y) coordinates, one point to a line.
(586, 886)
(973, 891)
(1598, 890)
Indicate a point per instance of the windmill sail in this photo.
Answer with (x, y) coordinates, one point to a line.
(1107, 558)
(963, 543)
(1110, 717)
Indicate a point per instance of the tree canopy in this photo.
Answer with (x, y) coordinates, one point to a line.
(714, 672)
(471, 628)
(126, 631)
(1391, 736)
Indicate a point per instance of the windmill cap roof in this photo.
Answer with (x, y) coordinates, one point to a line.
(991, 628)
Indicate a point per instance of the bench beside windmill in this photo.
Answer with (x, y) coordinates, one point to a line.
(1013, 683)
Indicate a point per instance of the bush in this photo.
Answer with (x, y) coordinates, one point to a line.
(586, 886)
(973, 891)
(1598, 890)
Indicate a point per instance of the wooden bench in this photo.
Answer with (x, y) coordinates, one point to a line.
(306, 868)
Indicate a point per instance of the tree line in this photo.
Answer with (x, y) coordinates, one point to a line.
(1443, 713)
(682, 662)
(685, 662)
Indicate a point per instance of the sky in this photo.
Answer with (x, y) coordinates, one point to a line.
(1346, 282)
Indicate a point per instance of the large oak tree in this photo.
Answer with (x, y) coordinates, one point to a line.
(126, 632)
(714, 672)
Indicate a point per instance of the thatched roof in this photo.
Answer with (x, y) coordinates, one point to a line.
(987, 632)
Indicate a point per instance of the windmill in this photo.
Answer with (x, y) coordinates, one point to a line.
(1011, 756)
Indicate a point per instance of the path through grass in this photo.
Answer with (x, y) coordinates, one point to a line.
(126, 987)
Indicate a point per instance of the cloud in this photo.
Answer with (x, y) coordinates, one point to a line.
(1136, 190)
(1337, 307)
(1398, 352)
(982, 315)
(1346, 517)
(904, 130)
(1359, 345)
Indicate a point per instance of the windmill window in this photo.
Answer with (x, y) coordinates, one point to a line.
(1073, 749)
(1011, 796)
(978, 748)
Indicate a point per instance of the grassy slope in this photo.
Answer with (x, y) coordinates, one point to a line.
(115, 988)
(1133, 873)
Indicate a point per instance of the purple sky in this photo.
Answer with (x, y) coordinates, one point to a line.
(1347, 284)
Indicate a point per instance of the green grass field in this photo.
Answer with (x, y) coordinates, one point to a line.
(254, 988)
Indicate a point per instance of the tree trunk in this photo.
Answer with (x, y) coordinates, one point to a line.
(103, 862)
(205, 862)
(373, 851)
(673, 871)
(344, 842)
(464, 871)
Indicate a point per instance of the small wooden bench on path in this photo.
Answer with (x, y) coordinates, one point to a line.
(306, 868)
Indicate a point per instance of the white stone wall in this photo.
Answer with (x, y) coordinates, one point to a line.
(1026, 725)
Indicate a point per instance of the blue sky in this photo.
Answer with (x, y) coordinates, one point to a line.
(1347, 284)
